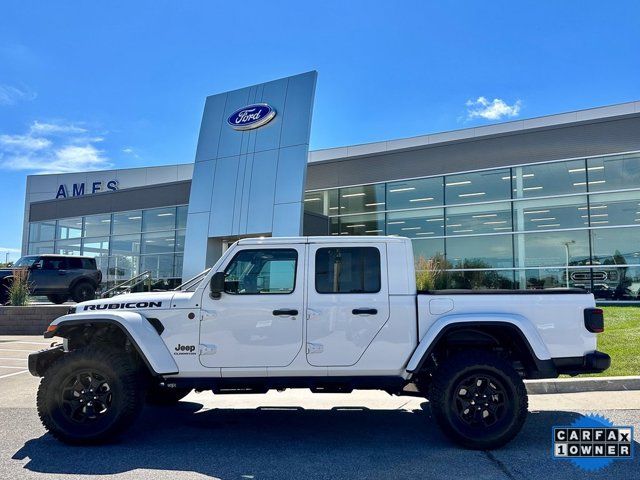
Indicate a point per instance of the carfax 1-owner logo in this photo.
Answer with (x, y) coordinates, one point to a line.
(592, 442)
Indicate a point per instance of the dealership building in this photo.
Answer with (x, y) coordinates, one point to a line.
(538, 203)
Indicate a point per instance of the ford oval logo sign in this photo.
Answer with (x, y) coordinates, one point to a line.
(251, 116)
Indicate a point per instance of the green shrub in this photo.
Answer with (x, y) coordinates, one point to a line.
(19, 288)
(430, 273)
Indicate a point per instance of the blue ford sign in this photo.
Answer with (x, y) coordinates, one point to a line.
(251, 116)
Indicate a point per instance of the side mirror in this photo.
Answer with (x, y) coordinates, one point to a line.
(217, 284)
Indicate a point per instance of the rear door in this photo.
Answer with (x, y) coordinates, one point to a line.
(348, 301)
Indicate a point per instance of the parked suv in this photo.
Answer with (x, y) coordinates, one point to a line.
(58, 277)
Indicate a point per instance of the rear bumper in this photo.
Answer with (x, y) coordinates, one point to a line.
(594, 362)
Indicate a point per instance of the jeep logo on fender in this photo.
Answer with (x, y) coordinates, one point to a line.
(116, 306)
(251, 116)
(185, 350)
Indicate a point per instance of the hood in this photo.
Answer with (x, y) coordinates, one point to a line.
(130, 301)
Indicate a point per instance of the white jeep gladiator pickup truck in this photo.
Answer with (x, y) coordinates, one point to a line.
(324, 313)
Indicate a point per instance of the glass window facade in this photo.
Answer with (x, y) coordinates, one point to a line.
(566, 223)
(124, 244)
(554, 224)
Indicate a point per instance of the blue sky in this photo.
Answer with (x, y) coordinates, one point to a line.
(93, 85)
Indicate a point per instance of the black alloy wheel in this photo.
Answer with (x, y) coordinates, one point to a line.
(83, 292)
(480, 401)
(86, 396)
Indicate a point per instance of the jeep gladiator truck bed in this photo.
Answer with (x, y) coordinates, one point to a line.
(328, 314)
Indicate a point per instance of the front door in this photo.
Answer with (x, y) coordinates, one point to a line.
(348, 301)
(257, 321)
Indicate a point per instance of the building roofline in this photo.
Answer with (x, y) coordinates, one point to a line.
(515, 126)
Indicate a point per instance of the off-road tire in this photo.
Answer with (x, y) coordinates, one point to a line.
(82, 292)
(57, 298)
(449, 405)
(163, 396)
(124, 396)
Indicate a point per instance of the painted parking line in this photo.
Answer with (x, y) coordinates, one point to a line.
(16, 350)
(47, 344)
(13, 359)
(13, 365)
(12, 374)
(13, 355)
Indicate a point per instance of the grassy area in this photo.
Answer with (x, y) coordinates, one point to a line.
(621, 340)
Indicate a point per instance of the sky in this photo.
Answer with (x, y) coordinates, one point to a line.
(96, 85)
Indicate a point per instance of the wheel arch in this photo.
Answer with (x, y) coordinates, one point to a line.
(486, 332)
(82, 279)
(137, 329)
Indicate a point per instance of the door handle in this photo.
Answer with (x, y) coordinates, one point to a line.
(62, 272)
(285, 312)
(364, 311)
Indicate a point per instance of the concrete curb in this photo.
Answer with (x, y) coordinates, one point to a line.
(584, 384)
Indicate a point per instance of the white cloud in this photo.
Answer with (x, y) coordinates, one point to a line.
(55, 128)
(23, 142)
(10, 95)
(495, 109)
(131, 152)
(53, 147)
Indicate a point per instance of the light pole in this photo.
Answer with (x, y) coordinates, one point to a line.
(6, 257)
(566, 251)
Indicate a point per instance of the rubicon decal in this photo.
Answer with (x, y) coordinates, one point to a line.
(251, 116)
(120, 306)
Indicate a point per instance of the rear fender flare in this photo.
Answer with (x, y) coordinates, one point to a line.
(138, 330)
(78, 280)
(528, 332)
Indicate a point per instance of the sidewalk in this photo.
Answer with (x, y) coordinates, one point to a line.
(582, 384)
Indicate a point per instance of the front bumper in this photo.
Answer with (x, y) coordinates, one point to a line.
(594, 362)
(40, 361)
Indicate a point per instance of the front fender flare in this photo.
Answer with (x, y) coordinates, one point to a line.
(138, 330)
(444, 323)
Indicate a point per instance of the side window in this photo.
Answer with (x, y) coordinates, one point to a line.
(53, 263)
(74, 263)
(38, 264)
(348, 270)
(264, 271)
(89, 263)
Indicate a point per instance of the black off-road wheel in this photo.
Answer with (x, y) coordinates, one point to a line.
(57, 298)
(82, 292)
(478, 400)
(90, 395)
(163, 397)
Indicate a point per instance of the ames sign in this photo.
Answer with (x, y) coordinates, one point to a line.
(81, 189)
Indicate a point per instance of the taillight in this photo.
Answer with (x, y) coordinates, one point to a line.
(594, 320)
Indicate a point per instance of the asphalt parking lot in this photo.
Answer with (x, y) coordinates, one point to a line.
(292, 435)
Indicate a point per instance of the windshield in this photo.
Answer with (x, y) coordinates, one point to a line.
(25, 261)
(191, 284)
